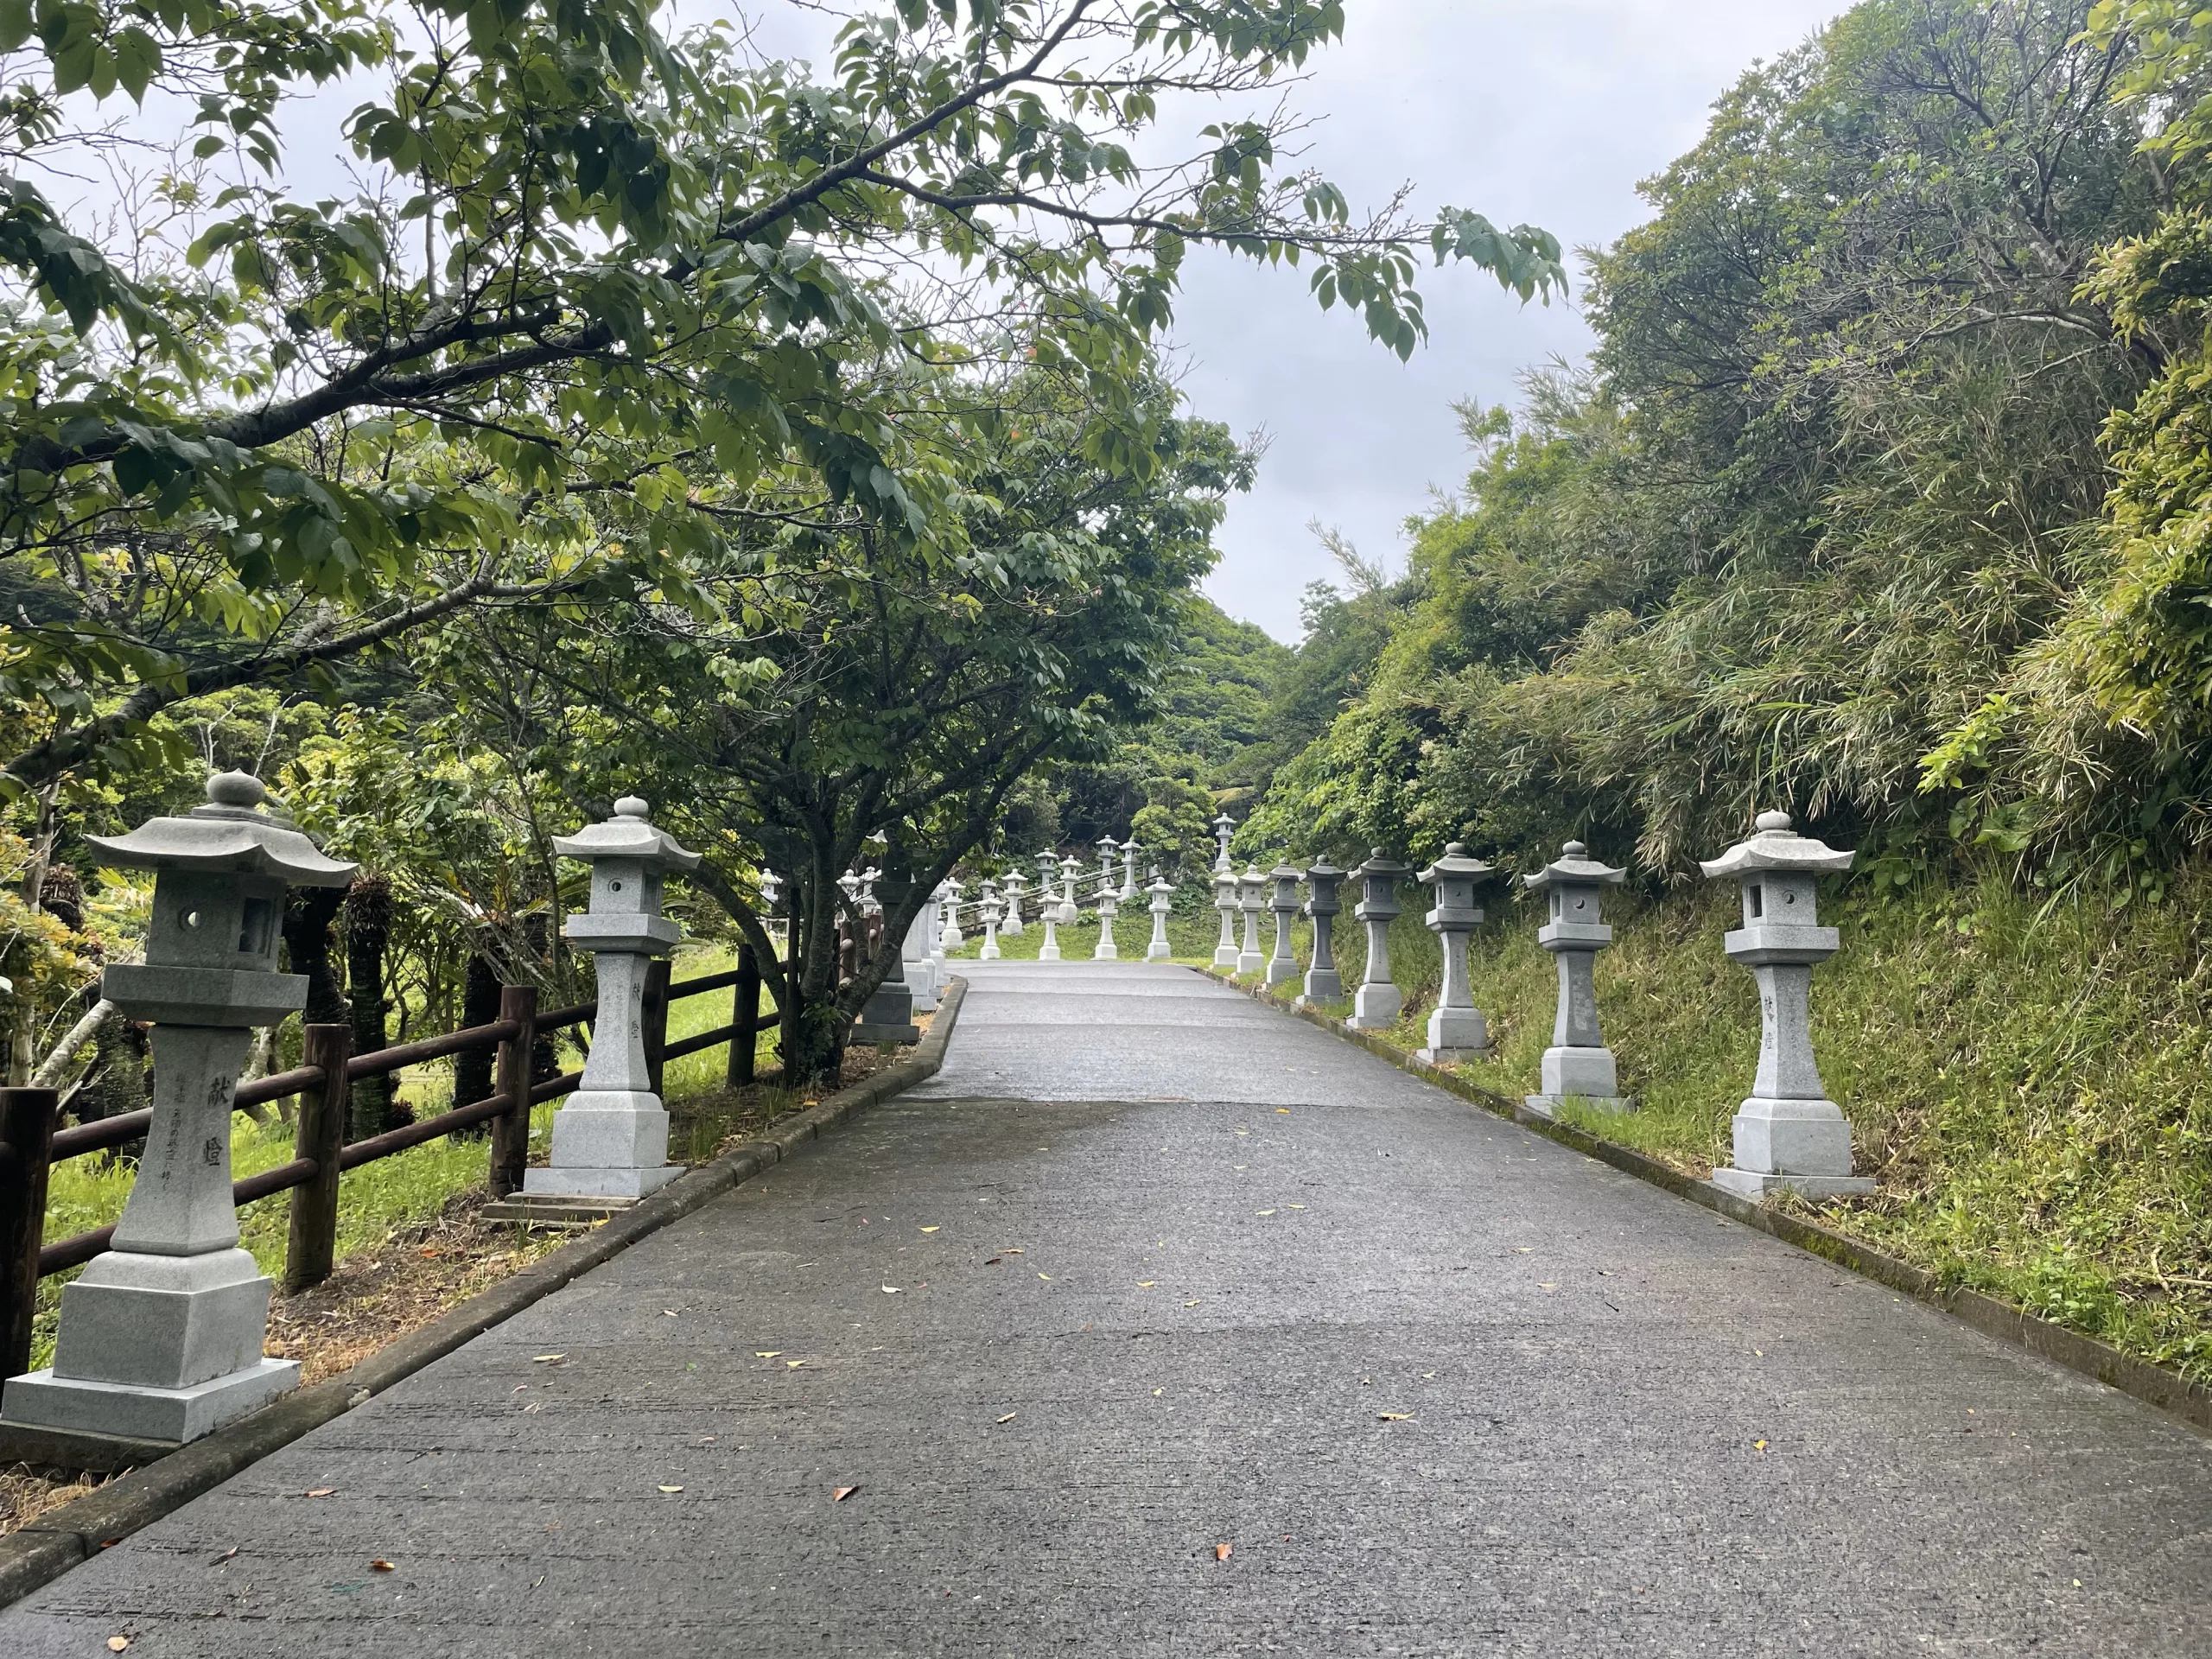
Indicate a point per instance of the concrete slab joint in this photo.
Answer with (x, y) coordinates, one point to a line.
(161, 1338)
(1788, 1133)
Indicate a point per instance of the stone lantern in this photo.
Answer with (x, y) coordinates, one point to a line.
(1048, 874)
(161, 1336)
(1014, 888)
(1048, 914)
(1129, 851)
(1070, 869)
(1789, 1133)
(1378, 1004)
(1163, 902)
(1109, 905)
(991, 913)
(610, 1137)
(952, 938)
(1578, 1064)
(1457, 1030)
(1109, 849)
(920, 965)
(1323, 983)
(1282, 967)
(1224, 827)
(1224, 901)
(1251, 898)
(887, 1016)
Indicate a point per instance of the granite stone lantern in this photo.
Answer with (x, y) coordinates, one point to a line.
(1108, 850)
(1129, 851)
(1048, 875)
(1323, 983)
(1048, 915)
(1788, 1133)
(1163, 903)
(1224, 901)
(1378, 1002)
(920, 965)
(887, 1016)
(1457, 1030)
(1071, 872)
(161, 1336)
(1015, 887)
(1224, 827)
(950, 939)
(1110, 905)
(991, 913)
(1578, 1064)
(610, 1137)
(1251, 898)
(1282, 967)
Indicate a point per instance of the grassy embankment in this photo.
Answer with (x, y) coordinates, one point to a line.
(2027, 1084)
(380, 1200)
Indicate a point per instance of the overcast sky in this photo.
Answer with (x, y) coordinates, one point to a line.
(1547, 113)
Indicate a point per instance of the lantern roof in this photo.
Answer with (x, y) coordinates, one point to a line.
(1285, 871)
(1456, 864)
(626, 835)
(1775, 846)
(1380, 862)
(1574, 866)
(1321, 869)
(231, 833)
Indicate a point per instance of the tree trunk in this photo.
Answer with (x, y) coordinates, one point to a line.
(480, 1005)
(368, 930)
(308, 913)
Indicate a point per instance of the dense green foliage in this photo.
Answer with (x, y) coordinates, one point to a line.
(1882, 499)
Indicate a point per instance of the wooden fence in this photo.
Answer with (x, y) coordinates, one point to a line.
(31, 1142)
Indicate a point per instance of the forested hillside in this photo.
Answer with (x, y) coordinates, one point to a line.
(1882, 497)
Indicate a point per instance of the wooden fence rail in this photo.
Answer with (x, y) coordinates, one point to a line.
(31, 1142)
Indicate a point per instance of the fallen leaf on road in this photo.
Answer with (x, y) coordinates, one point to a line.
(669, 1311)
(429, 1250)
(929, 1230)
(1009, 1417)
(382, 1566)
(1758, 1446)
(1221, 1551)
(1190, 1304)
(770, 1353)
(1522, 1249)
(1047, 1277)
(1395, 1416)
(1548, 1284)
(1298, 1207)
(1156, 1392)
(843, 1492)
(1282, 1111)
(1263, 1213)
(118, 1643)
(1147, 1284)
(1008, 1250)
(322, 1491)
(794, 1364)
(225, 1556)
(672, 1488)
(993, 1261)
(891, 1290)
(546, 1359)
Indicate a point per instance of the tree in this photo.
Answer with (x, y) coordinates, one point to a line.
(849, 698)
(253, 438)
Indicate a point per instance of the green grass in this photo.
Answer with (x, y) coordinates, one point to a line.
(380, 1199)
(2027, 1086)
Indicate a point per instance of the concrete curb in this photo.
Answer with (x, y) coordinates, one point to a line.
(2152, 1384)
(48, 1546)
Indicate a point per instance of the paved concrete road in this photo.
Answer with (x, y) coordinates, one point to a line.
(1090, 1307)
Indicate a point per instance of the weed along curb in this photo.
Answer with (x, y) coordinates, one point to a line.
(2152, 1384)
(49, 1546)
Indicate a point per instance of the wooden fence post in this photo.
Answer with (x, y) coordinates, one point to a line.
(26, 1138)
(654, 1018)
(320, 1134)
(511, 1129)
(745, 1014)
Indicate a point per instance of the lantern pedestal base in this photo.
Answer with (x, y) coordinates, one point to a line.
(1322, 985)
(607, 1144)
(1280, 972)
(1456, 1034)
(1754, 1184)
(1792, 1137)
(1224, 955)
(1249, 962)
(1589, 1072)
(870, 1035)
(1376, 1007)
(1158, 951)
(134, 1411)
